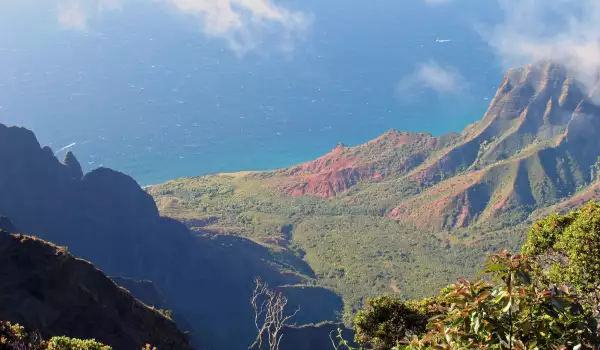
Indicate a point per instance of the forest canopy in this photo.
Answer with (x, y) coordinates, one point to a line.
(545, 297)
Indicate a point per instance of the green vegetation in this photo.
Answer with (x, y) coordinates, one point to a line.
(513, 311)
(568, 249)
(546, 299)
(351, 248)
(66, 343)
(14, 336)
(167, 313)
(408, 213)
(387, 320)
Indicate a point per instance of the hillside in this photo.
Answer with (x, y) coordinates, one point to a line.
(407, 213)
(105, 217)
(45, 288)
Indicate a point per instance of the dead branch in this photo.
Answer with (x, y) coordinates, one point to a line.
(269, 316)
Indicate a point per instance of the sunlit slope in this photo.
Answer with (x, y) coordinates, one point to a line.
(408, 211)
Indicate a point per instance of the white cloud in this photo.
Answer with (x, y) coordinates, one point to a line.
(563, 31)
(246, 24)
(75, 14)
(435, 77)
(72, 16)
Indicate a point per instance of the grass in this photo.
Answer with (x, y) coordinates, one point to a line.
(351, 248)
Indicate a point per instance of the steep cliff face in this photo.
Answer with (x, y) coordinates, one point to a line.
(45, 288)
(107, 218)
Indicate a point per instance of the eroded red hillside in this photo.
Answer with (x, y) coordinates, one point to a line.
(392, 153)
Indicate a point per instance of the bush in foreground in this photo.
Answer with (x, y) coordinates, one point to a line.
(547, 298)
(14, 336)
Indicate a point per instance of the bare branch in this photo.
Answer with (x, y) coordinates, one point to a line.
(269, 316)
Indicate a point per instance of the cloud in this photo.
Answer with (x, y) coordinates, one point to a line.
(432, 76)
(75, 14)
(247, 24)
(564, 31)
(72, 16)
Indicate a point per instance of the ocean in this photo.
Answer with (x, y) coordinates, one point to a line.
(146, 89)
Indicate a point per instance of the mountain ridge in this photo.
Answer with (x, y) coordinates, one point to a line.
(537, 114)
(375, 214)
(45, 288)
(107, 218)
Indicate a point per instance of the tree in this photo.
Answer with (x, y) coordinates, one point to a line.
(513, 311)
(510, 310)
(270, 316)
(547, 298)
(386, 321)
(567, 247)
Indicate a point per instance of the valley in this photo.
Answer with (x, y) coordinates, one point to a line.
(408, 213)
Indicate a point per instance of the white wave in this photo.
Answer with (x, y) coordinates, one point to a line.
(66, 147)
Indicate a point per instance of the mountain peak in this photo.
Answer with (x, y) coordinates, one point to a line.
(73, 166)
(534, 146)
(338, 148)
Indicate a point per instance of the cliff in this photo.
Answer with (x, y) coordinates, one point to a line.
(45, 288)
(105, 217)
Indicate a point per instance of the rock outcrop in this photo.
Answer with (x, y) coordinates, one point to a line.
(73, 166)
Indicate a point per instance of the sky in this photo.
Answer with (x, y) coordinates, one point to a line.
(166, 88)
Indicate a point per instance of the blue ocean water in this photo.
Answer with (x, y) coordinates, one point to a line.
(146, 91)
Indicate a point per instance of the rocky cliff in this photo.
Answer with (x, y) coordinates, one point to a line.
(44, 288)
(107, 218)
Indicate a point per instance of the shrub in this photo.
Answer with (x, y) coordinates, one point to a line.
(387, 320)
(567, 247)
(511, 310)
(66, 343)
(15, 336)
